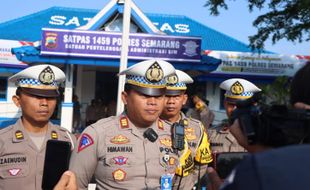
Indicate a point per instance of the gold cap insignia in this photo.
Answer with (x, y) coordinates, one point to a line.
(19, 135)
(47, 76)
(237, 88)
(54, 135)
(154, 73)
(172, 80)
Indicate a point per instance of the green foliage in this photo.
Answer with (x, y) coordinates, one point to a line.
(277, 92)
(286, 19)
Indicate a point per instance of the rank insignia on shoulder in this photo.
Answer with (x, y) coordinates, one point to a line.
(19, 135)
(160, 125)
(124, 122)
(185, 122)
(85, 141)
(119, 175)
(54, 135)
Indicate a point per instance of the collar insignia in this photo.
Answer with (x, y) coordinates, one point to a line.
(185, 122)
(124, 122)
(160, 125)
(19, 135)
(54, 135)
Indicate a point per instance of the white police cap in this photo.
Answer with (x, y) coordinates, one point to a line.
(148, 77)
(176, 83)
(238, 89)
(39, 80)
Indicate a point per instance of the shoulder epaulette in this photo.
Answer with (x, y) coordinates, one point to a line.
(6, 129)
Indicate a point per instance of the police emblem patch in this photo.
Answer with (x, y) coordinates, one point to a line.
(119, 175)
(154, 73)
(85, 141)
(190, 48)
(172, 80)
(47, 76)
(237, 88)
(51, 40)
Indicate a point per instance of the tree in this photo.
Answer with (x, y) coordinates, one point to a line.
(277, 92)
(286, 19)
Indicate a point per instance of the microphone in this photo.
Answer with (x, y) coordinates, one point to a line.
(150, 134)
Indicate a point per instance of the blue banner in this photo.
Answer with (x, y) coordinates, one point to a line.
(100, 44)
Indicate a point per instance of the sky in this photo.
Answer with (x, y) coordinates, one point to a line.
(235, 22)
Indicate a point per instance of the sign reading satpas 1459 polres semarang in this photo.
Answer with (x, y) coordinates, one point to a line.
(100, 44)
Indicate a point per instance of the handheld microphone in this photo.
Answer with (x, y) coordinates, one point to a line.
(150, 134)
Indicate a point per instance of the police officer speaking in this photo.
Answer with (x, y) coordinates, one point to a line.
(132, 150)
(194, 132)
(23, 144)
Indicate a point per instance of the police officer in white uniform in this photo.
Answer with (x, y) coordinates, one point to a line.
(132, 150)
(23, 144)
(237, 89)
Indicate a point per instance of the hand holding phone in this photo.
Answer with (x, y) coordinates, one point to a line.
(57, 157)
(225, 162)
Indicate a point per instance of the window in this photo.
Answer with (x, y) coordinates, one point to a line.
(3, 88)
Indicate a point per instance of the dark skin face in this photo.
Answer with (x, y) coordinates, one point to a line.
(229, 107)
(173, 106)
(142, 110)
(36, 111)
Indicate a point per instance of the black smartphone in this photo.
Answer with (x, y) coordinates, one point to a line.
(225, 162)
(57, 157)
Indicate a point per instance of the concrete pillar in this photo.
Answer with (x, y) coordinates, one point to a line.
(67, 105)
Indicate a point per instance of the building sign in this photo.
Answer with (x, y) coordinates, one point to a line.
(257, 64)
(77, 21)
(7, 59)
(108, 45)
